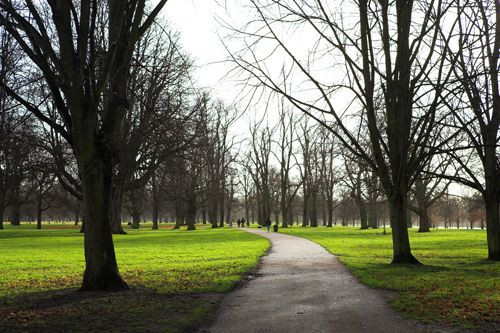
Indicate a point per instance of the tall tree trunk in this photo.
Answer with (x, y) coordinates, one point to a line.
(409, 222)
(115, 210)
(136, 220)
(363, 218)
(179, 213)
(191, 213)
(372, 215)
(313, 216)
(247, 210)
(305, 212)
(101, 270)
(284, 215)
(204, 214)
(15, 213)
(229, 206)
(1, 217)
(330, 213)
(260, 213)
(154, 216)
(39, 211)
(323, 213)
(400, 240)
(221, 210)
(82, 228)
(492, 226)
(424, 220)
(212, 213)
(155, 206)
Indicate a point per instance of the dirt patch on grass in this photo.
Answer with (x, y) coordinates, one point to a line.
(136, 310)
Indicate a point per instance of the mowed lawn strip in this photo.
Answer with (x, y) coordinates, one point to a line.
(36, 266)
(456, 285)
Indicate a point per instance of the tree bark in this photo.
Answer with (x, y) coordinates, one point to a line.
(492, 226)
(39, 212)
(15, 214)
(400, 240)
(179, 214)
(204, 215)
(212, 212)
(136, 220)
(191, 214)
(155, 216)
(305, 212)
(1, 217)
(314, 210)
(101, 270)
(115, 210)
(221, 207)
(363, 217)
(424, 220)
(372, 215)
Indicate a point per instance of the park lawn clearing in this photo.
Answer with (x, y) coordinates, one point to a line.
(456, 285)
(177, 278)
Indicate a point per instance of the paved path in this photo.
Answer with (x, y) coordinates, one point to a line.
(300, 287)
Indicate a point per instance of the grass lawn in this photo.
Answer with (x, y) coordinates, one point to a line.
(456, 285)
(176, 277)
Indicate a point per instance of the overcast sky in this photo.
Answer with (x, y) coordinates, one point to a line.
(195, 20)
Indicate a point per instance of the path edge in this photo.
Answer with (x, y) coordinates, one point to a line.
(243, 281)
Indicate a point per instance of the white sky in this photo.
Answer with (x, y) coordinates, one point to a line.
(195, 20)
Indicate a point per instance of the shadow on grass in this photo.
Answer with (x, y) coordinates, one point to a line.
(134, 310)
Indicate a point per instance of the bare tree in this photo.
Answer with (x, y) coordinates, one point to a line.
(389, 57)
(285, 157)
(78, 76)
(477, 107)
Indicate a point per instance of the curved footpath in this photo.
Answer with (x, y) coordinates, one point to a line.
(301, 287)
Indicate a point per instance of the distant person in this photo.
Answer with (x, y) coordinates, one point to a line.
(268, 224)
(243, 222)
(238, 223)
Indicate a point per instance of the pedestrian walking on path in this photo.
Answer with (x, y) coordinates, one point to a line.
(268, 224)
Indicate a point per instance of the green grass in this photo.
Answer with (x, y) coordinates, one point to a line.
(35, 265)
(456, 285)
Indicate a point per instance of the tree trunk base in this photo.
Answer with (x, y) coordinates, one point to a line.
(405, 259)
(423, 230)
(103, 281)
(363, 228)
(494, 256)
(118, 230)
(191, 227)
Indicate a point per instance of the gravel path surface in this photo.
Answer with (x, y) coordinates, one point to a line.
(301, 287)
